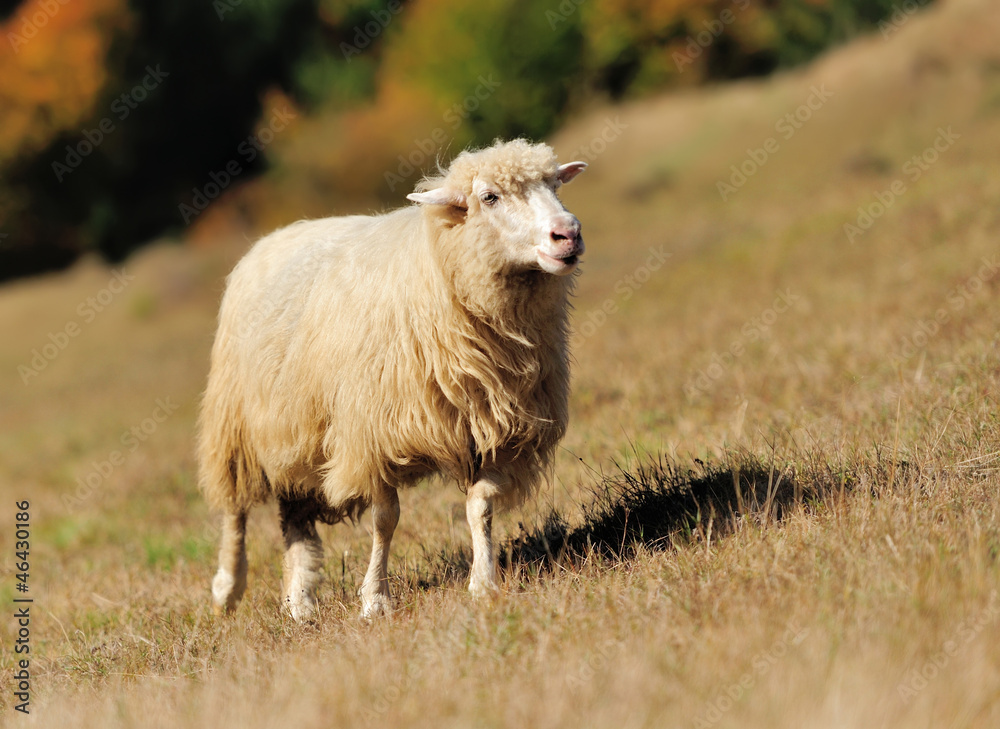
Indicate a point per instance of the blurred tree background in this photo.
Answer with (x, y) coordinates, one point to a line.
(120, 121)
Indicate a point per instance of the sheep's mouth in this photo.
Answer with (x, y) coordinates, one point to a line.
(558, 266)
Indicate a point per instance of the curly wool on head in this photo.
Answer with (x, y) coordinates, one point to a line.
(510, 165)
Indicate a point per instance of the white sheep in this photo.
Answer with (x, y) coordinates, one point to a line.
(357, 355)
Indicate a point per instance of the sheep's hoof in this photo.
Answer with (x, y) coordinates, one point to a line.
(483, 590)
(377, 606)
(225, 593)
(303, 608)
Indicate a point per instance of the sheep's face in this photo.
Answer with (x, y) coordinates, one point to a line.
(524, 226)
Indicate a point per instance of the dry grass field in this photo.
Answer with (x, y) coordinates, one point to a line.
(777, 504)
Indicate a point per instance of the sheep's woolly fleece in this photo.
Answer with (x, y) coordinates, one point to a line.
(382, 350)
(510, 165)
(357, 355)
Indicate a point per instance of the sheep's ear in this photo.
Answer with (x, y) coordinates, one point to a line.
(568, 171)
(439, 196)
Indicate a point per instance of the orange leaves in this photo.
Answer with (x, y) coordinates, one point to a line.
(52, 67)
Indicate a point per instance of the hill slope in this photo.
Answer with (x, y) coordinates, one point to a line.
(840, 364)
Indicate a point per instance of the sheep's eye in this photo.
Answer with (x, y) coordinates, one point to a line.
(489, 198)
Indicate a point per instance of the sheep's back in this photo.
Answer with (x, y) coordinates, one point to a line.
(310, 318)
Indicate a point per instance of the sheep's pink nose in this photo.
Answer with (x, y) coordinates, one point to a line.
(565, 234)
(566, 240)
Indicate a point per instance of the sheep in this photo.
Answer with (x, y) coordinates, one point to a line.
(358, 355)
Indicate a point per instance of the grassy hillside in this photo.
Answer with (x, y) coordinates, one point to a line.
(777, 504)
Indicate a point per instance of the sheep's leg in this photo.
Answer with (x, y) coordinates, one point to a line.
(231, 580)
(303, 557)
(375, 599)
(479, 512)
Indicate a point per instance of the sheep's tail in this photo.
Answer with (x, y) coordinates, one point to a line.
(228, 472)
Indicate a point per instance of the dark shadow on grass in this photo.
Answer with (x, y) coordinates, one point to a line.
(652, 506)
(648, 508)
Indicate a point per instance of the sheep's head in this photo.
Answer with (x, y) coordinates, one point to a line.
(505, 197)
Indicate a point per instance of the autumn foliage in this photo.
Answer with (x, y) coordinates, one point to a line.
(384, 87)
